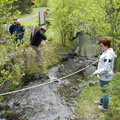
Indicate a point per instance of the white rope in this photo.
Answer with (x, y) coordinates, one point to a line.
(78, 70)
(47, 82)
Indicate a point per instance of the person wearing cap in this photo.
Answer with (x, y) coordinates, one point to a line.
(17, 30)
(36, 41)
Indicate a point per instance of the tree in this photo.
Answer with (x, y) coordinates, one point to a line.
(112, 19)
(5, 10)
(100, 18)
(23, 5)
(61, 21)
(69, 17)
(40, 3)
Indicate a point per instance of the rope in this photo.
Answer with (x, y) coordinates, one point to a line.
(47, 82)
(78, 70)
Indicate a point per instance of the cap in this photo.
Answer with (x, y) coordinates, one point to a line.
(15, 20)
(44, 27)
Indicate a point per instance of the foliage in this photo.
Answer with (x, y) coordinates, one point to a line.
(117, 60)
(11, 64)
(112, 15)
(7, 11)
(12, 8)
(94, 16)
(115, 90)
(40, 3)
(99, 18)
(60, 11)
(24, 6)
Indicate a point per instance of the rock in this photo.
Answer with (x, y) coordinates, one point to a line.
(89, 71)
(2, 42)
(9, 54)
(92, 83)
(63, 57)
(71, 54)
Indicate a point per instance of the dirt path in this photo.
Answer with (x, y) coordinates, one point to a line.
(28, 17)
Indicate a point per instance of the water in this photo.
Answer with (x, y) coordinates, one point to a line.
(53, 101)
(50, 102)
(52, 73)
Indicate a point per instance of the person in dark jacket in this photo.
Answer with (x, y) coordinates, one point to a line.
(17, 30)
(36, 41)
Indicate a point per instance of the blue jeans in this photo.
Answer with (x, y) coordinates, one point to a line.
(16, 41)
(105, 99)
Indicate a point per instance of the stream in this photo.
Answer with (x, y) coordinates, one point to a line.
(53, 101)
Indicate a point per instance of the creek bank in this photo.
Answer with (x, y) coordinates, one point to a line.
(53, 101)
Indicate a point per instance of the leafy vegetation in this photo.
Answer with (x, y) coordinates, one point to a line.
(100, 18)
(7, 11)
(12, 8)
(40, 3)
(24, 6)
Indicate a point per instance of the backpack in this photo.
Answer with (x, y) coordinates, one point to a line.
(32, 34)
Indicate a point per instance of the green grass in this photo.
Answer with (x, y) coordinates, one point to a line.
(30, 22)
(86, 109)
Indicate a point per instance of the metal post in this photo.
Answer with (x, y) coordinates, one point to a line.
(39, 17)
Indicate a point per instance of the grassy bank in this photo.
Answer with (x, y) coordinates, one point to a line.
(87, 110)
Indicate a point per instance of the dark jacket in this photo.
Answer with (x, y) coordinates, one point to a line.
(38, 37)
(18, 30)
